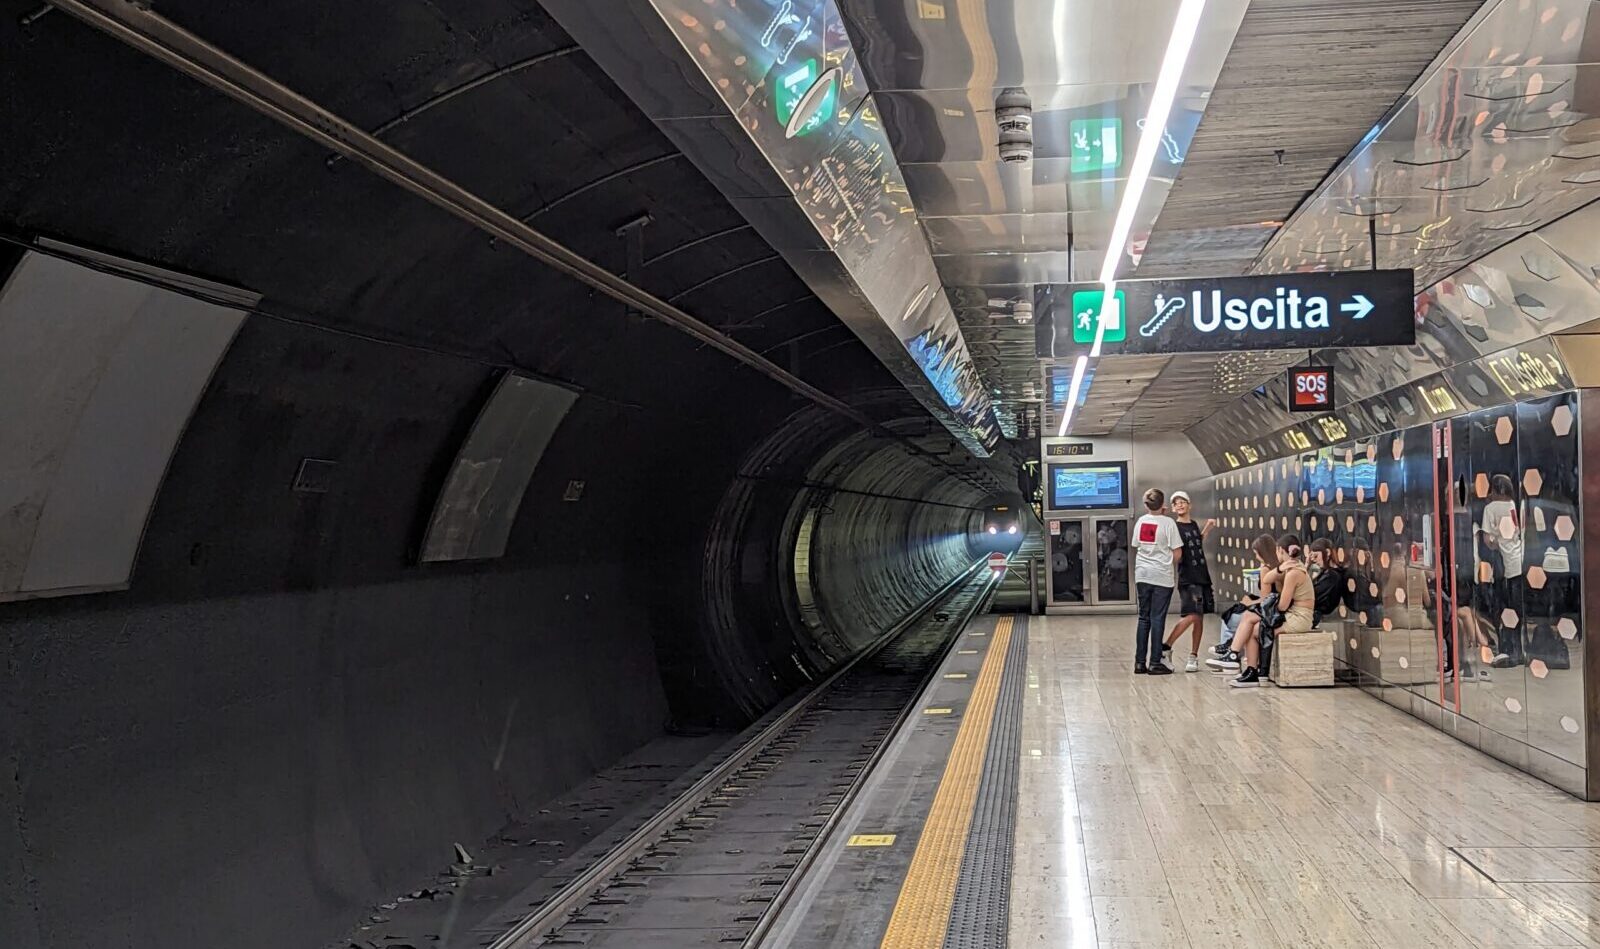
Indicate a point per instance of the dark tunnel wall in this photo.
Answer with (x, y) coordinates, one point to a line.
(285, 719)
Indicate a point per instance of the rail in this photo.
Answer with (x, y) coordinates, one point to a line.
(560, 907)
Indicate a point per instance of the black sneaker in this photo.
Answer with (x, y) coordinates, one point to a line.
(1139, 669)
(1166, 655)
(1221, 650)
(1228, 661)
(1160, 670)
(1248, 679)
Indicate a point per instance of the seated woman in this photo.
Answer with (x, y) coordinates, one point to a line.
(1327, 578)
(1284, 573)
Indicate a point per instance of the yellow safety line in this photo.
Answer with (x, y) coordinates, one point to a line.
(922, 913)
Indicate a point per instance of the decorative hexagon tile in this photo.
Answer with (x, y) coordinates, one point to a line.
(1388, 625)
(1405, 663)
(1350, 584)
(1397, 448)
(1569, 724)
(1561, 421)
(1372, 452)
(1399, 524)
(1485, 572)
(1338, 496)
(1399, 592)
(1372, 590)
(1536, 578)
(1509, 618)
(1513, 706)
(1503, 430)
(1564, 527)
(1533, 481)
(1383, 559)
(1567, 627)
(1361, 495)
(1353, 643)
(1383, 492)
(1538, 668)
(1480, 485)
(1372, 523)
(1508, 527)
(1350, 523)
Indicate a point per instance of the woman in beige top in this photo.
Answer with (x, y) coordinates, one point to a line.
(1284, 573)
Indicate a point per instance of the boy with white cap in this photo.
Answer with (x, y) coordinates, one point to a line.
(1194, 581)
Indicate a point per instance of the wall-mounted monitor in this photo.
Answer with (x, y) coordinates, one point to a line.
(1089, 486)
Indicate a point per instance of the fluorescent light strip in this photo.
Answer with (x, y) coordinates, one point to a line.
(1072, 394)
(1184, 29)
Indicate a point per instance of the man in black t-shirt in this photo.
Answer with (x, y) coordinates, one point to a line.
(1194, 581)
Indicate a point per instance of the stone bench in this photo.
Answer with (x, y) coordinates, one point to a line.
(1304, 659)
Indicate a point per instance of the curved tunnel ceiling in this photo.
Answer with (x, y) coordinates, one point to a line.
(466, 92)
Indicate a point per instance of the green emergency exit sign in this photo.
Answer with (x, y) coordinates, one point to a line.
(1096, 145)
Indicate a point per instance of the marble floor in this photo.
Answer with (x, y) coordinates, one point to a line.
(1176, 812)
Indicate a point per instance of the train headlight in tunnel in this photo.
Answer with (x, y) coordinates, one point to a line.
(1012, 529)
(993, 529)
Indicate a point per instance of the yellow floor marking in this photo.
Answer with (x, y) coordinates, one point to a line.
(870, 840)
(922, 913)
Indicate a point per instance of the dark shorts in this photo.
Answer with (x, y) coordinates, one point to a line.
(1195, 598)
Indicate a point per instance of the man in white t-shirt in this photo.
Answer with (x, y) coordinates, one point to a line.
(1159, 547)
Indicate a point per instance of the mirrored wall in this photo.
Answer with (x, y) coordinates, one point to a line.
(1458, 544)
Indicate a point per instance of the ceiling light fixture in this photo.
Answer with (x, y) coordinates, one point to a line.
(1184, 30)
(1072, 394)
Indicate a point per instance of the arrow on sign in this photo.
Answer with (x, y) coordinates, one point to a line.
(1358, 309)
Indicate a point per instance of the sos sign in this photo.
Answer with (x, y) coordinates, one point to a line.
(1311, 389)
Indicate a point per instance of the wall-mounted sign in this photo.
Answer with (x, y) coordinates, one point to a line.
(1070, 450)
(1311, 389)
(1227, 314)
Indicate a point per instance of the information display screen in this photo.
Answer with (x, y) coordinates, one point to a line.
(1228, 314)
(1311, 389)
(1089, 487)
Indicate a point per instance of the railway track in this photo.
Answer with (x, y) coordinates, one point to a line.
(713, 866)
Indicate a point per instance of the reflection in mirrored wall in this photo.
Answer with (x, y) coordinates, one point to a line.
(1458, 549)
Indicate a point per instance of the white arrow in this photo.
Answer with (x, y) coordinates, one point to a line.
(1358, 309)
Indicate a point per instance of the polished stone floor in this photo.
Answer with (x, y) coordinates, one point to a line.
(1176, 812)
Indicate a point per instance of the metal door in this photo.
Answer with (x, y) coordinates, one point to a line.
(1113, 561)
(1071, 562)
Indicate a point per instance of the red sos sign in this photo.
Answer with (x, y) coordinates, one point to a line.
(1311, 389)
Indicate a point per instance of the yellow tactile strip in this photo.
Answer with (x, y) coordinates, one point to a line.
(922, 913)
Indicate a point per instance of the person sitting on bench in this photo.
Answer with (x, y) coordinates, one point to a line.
(1283, 573)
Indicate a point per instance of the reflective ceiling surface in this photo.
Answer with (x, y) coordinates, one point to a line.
(937, 67)
(1309, 80)
(1504, 136)
(1501, 139)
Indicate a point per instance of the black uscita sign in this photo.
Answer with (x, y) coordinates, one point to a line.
(1226, 314)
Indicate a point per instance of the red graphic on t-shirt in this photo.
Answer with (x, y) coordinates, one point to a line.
(1147, 533)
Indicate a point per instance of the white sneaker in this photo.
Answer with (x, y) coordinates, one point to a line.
(1193, 665)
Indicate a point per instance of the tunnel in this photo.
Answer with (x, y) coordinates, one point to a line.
(488, 473)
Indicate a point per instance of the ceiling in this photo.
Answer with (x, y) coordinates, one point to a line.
(995, 228)
(1308, 78)
(1472, 180)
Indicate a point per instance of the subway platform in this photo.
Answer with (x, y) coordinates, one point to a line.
(1177, 812)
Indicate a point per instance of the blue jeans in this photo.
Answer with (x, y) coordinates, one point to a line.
(1153, 604)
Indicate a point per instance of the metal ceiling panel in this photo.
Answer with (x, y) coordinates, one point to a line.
(790, 168)
(1304, 82)
(996, 228)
